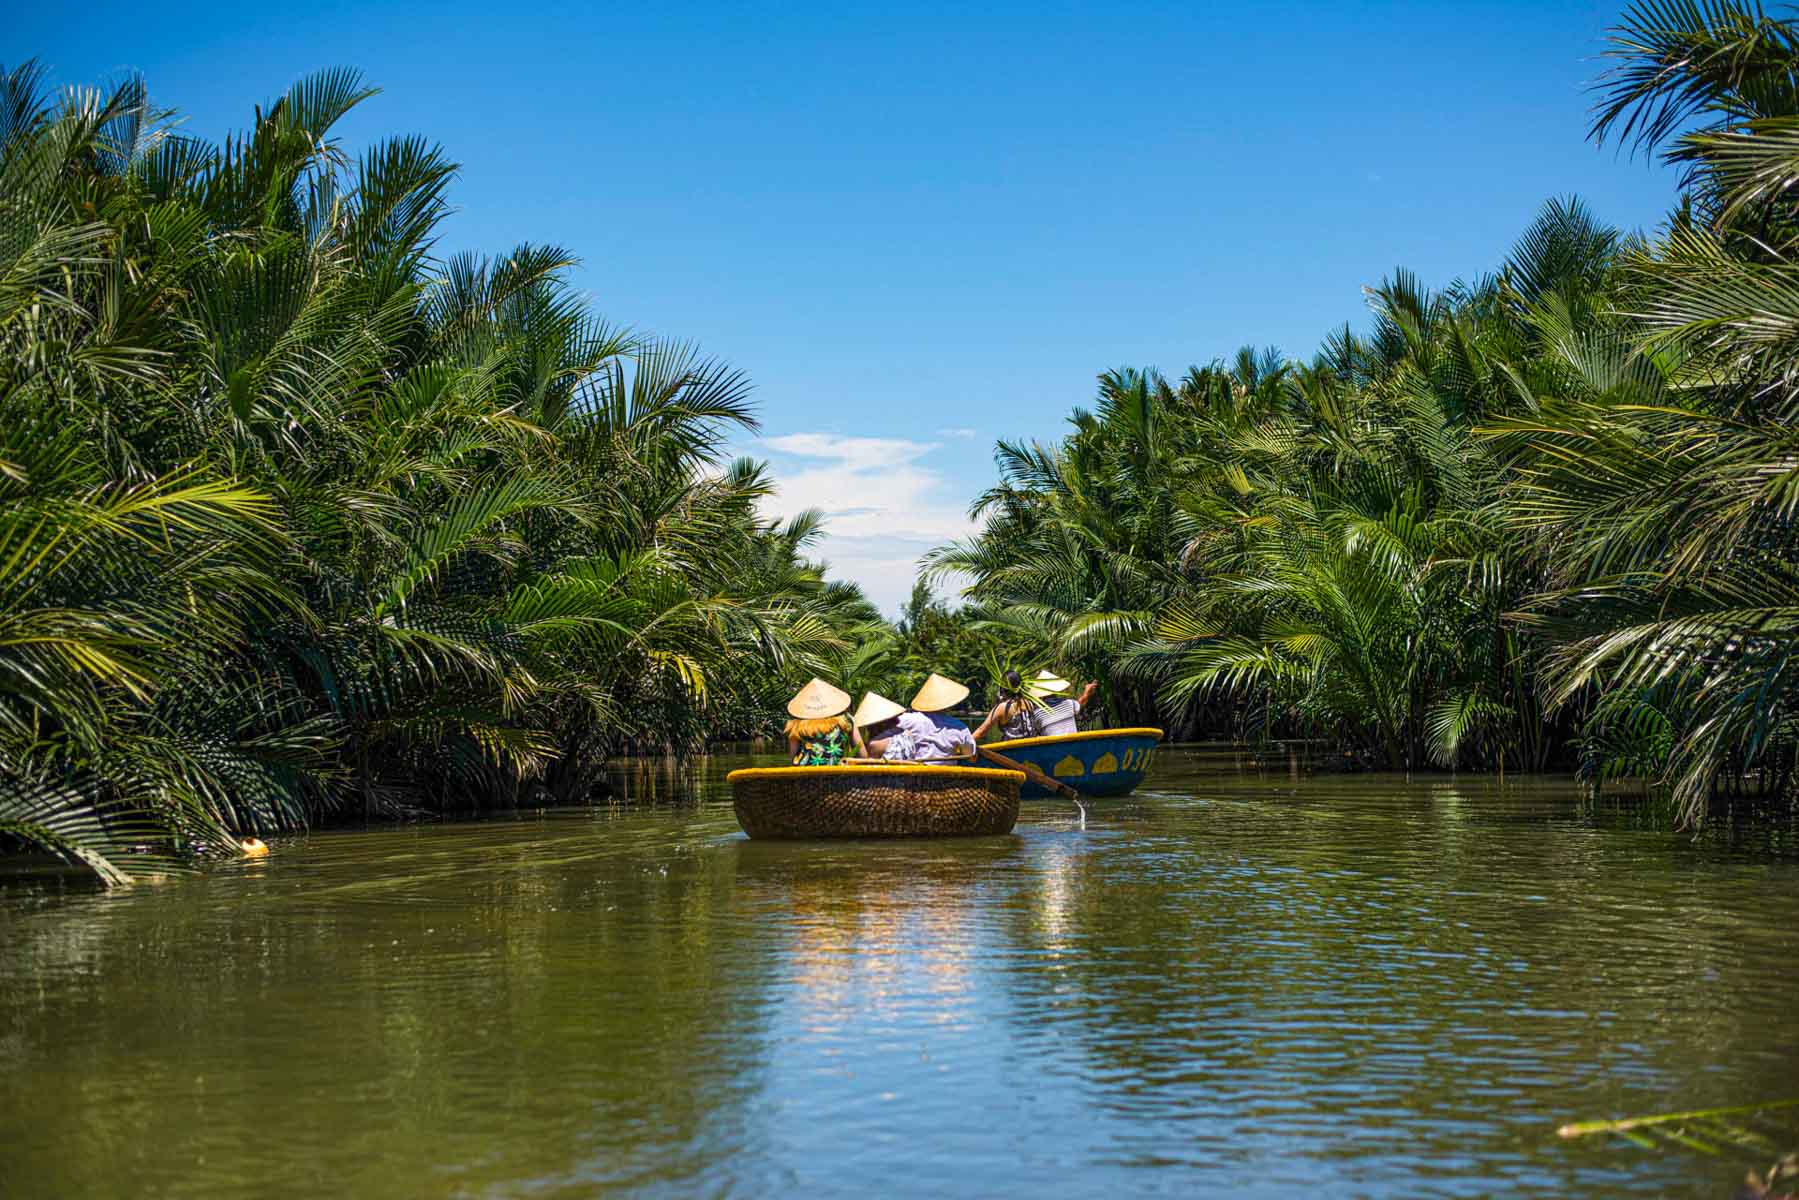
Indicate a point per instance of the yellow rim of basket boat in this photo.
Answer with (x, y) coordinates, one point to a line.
(1056, 739)
(874, 770)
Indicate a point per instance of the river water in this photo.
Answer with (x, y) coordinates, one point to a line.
(1236, 981)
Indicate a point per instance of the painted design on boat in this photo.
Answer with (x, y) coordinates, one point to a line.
(1100, 762)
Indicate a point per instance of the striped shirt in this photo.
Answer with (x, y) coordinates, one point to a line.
(1059, 717)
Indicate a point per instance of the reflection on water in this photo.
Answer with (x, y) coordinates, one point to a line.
(1237, 979)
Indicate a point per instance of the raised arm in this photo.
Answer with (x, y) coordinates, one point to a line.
(992, 717)
(1087, 693)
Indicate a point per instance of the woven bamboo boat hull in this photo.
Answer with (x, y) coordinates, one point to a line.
(1095, 762)
(903, 800)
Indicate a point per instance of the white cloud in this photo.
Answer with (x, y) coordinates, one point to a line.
(959, 431)
(884, 505)
(854, 453)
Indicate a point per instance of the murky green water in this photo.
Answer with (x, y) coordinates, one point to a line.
(1233, 982)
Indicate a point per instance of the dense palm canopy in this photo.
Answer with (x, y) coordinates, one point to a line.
(1547, 514)
(298, 517)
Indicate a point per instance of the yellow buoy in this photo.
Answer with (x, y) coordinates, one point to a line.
(254, 848)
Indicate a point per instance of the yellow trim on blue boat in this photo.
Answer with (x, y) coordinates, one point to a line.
(873, 769)
(1056, 739)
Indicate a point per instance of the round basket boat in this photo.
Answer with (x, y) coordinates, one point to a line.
(902, 800)
(1096, 762)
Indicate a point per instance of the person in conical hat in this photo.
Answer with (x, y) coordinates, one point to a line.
(820, 734)
(1059, 710)
(877, 720)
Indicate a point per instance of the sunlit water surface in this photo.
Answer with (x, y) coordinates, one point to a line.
(1236, 981)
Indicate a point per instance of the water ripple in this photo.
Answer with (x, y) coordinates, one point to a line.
(1234, 982)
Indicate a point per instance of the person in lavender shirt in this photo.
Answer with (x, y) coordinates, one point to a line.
(928, 733)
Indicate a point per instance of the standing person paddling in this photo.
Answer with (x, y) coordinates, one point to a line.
(820, 735)
(1060, 711)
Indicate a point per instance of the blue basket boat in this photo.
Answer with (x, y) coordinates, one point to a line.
(1095, 762)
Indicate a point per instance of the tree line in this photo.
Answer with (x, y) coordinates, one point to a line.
(1540, 518)
(301, 518)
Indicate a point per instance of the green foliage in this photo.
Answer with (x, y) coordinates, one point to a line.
(1762, 1133)
(298, 518)
(1303, 548)
(962, 643)
(1550, 513)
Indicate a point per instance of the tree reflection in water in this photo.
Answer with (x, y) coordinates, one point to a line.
(1235, 980)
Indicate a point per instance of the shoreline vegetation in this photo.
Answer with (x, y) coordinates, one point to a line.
(1540, 520)
(300, 520)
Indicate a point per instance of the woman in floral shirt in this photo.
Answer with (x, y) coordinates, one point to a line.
(820, 734)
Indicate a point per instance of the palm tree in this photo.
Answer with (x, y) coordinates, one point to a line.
(297, 518)
(1662, 470)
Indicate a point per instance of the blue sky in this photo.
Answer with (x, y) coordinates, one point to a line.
(920, 228)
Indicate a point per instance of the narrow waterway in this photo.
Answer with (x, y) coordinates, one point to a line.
(1234, 982)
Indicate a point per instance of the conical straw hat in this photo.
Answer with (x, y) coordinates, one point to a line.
(1046, 683)
(818, 699)
(875, 709)
(938, 694)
